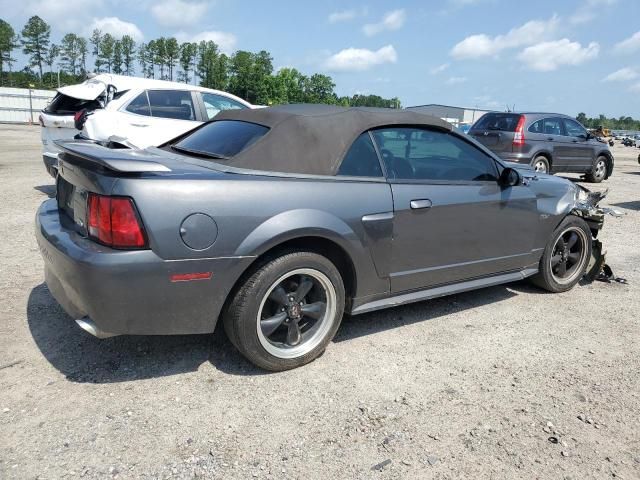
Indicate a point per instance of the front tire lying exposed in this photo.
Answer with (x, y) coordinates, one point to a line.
(287, 311)
(565, 256)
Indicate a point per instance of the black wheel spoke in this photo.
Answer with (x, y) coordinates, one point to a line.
(555, 260)
(279, 296)
(271, 324)
(304, 287)
(560, 245)
(314, 310)
(574, 257)
(573, 238)
(293, 334)
(562, 269)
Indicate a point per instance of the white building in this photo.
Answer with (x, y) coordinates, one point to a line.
(458, 116)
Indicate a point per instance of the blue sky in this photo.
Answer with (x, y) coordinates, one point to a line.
(567, 56)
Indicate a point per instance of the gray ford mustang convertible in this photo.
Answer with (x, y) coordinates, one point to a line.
(280, 220)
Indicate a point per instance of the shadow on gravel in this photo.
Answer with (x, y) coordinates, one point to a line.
(361, 325)
(85, 359)
(633, 205)
(48, 190)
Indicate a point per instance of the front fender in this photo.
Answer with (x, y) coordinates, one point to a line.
(294, 224)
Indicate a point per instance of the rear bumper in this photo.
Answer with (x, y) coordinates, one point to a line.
(130, 292)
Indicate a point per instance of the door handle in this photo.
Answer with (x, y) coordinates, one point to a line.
(574, 141)
(550, 139)
(421, 203)
(139, 124)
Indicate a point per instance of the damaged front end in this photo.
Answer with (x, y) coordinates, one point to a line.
(586, 207)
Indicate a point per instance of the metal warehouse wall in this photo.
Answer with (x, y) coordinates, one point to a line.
(14, 104)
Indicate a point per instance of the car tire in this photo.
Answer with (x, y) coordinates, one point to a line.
(541, 164)
(570, 245)
(599, 171)
(273, 324)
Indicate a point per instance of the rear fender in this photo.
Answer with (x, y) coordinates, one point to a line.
(294, 224)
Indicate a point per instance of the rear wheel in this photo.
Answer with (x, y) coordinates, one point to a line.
(565, 257)
(287, 311)
(540, 164)
(599, 171)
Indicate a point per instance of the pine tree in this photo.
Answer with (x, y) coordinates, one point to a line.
(35, 41)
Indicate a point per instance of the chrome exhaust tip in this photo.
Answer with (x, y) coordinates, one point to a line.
(89, 326)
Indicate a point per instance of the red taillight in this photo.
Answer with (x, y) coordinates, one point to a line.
(518, 136)
(113, 222)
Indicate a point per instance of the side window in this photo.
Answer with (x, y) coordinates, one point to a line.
(537, 127)
(139, 105)
(573, 128)
(216, 103)
(361, 160)
(552, 126)
(420, 154)
(175, 104)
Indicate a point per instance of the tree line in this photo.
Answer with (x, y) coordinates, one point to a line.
(621, 123)
(249, 75)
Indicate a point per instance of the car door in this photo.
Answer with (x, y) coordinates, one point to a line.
(452, 219)
(156, 116)
(580, 150)
(553, 134)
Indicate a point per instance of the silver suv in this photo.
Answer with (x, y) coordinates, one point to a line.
(549, 142)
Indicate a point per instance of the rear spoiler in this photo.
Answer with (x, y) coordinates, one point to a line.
(115, 159)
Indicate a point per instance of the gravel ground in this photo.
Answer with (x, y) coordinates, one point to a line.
(505, 382)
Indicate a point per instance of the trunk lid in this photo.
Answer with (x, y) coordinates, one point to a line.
(496, 131)
(88, 167)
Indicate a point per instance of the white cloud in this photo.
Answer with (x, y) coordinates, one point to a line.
(391, 21)
(482, 45)
(623, 75)
(439, 69)
(178, 13)
(635, 87)
(629, 45)
(116, 27)
(549, 56)
(57, 14)
(360, 59)
(456, 80)
(589, 11)
(226, 41)
(346, 15)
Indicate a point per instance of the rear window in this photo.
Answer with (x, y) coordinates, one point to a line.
(221, 139)
(504, 122)
(65, 105)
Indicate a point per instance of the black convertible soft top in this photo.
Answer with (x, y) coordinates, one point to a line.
(312, 139)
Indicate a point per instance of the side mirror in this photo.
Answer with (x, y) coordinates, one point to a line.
(509, 177)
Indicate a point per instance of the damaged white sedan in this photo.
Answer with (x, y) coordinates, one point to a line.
(134, 112)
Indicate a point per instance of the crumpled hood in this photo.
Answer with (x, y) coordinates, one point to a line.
(94, 87)
(88, 90)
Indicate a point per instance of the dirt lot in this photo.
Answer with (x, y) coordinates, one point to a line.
(506, 382)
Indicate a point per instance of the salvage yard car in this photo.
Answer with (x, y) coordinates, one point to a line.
(549, 142)
(280, 220)
(138, 112)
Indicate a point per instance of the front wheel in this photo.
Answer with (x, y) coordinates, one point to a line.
(287, 311)
(565, 257)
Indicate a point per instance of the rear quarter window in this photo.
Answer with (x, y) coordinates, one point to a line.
(221, 139)
(505, 122)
